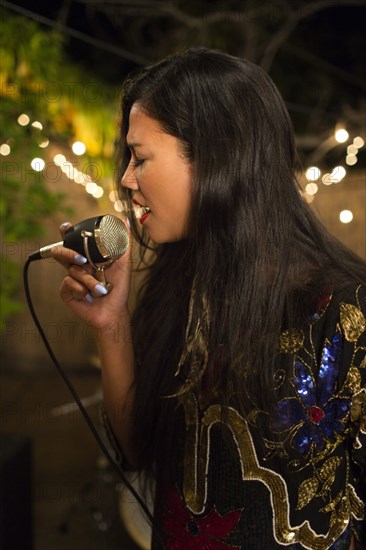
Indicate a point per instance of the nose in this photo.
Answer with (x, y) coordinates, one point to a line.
(129, 179)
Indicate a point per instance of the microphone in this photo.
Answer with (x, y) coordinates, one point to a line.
(102, 240)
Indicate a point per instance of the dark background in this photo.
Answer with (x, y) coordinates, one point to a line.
(319, 63)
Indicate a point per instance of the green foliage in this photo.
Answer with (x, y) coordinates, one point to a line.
(36, 78)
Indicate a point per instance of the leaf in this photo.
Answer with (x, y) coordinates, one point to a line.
(353, 322)
(329, 467)
(307, 491)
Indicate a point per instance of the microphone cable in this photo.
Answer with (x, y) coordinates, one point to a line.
(77, 400)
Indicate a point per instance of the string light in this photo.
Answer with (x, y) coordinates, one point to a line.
(351, 160)
(91, 187)
(38, 164)
(358, 142)
(5, 149)
(44, 143)
(326, 179)
(23, 119)
(311, 188)
(346, 216)
(78, 148)
(59, 159)
(338, 173)
(313, 173)
(113, 196)
(80, 178)
(341, 135)
(352, 150)
(99, 192)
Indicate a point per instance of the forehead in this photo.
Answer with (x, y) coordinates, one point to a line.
(141, 127)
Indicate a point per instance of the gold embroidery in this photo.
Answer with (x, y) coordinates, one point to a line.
(341, 507)
(278, 378)
(196, 469)
(353, 322)
(358, 507)
(309, 487)
(291, 340)
(195, 352)
(329, 467)
(358, 410)
(195, 463)
(327, 473)
(307, 491)
(352, 382)
(333, 503)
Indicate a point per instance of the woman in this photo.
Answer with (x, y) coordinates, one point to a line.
(238, 384)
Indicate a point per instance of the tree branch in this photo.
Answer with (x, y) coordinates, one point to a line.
(294, 18)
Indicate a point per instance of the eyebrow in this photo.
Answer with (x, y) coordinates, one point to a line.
(132, 145)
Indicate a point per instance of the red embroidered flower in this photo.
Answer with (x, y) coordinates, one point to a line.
(188, 532)
(316, 414)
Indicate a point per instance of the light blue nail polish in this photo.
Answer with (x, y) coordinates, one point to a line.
(89, 298)
(79, 259)
(100, 289)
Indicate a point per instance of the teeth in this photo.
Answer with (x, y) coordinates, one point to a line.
(141, 210)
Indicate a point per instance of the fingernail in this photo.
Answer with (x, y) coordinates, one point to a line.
(89, 298)
(79, 259)
(65, 225)
(100, 289)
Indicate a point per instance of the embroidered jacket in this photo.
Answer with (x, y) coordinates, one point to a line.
(303, 485)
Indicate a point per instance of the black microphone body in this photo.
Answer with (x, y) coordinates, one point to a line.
(99, 239)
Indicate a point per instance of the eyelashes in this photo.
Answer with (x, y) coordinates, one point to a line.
(138, 162)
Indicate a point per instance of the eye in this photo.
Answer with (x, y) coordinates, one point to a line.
(138, 162)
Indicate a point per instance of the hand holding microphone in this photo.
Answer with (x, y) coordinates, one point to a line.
(102, 240)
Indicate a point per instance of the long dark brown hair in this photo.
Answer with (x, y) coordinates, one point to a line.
(256, 257)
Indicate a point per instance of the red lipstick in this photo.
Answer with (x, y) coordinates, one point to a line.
(144, 217)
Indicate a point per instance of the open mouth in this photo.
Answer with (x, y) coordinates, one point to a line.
(141, 212)
(146, 211)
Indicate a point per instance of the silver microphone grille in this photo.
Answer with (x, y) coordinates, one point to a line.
(113, 236)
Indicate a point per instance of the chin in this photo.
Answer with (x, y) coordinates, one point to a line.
(165, 239)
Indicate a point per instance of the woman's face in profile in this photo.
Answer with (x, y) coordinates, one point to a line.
(159, 177)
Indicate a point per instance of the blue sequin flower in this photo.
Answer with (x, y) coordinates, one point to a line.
(316, 412)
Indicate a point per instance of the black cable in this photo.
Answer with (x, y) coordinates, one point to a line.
(74, 394)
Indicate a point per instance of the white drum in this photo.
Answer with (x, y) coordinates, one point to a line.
(134, 519)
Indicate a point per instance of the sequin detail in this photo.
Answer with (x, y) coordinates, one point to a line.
(316, 415)
(353, 322)
(313, 501)
(358, 411)
(291, 341)
(284, 532)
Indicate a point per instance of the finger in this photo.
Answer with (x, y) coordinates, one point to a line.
(64, 227)
(88, 281)
(73, 291)
(67, 257)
